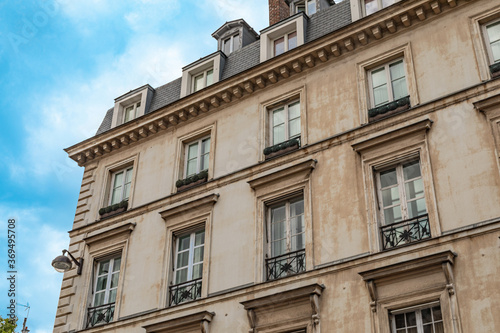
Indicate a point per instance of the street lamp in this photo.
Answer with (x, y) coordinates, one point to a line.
(63, 264)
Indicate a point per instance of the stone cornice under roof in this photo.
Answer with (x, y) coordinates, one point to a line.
(371, 29)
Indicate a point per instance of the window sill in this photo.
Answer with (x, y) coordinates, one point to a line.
(389, 109)
(495, 70)
(281, 148)
(113, 209)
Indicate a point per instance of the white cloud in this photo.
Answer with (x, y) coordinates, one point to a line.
(151, 15)
(255, 13)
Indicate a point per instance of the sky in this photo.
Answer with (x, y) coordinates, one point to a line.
(62, 64)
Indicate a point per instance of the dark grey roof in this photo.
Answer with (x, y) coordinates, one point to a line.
(323, 22)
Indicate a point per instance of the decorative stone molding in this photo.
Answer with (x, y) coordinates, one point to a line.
(196, 322)
(304, 168)
(116, 232)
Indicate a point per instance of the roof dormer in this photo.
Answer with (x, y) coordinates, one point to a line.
(132, 105)
(202, 73)
(234, 35)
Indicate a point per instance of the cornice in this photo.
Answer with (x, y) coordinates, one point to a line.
(371, 29)
(114, 232)
(193, 319)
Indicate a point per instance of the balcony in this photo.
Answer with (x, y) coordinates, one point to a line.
(99, 315)
(286, 264)
(185, 292)
(405, 232)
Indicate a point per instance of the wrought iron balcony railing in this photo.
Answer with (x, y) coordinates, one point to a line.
(185, 292)
(101, 314)
(286, 264)
(405, 232)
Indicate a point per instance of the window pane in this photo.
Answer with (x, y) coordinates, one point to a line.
(300, 8)
(205, 148)
(278, 116)
(380, 95)
(193, 150)
(227, 45)
(137, 109)
(298, 242)
(297, 208)
(129, 113)
(279, 46)
(182, 259)
(278, 134)
(386, 3)
(438, 328)
(399, 89)
(378, 77)
(493, 31)
(388, 178)
(436, 312)
(112, 296)
(114, 280)
(426, 316)
(126, 191)
(99, 299)
(101, 283)
(392, 215)
(371, 6)
(116, 264)
(278, 214)
(412, 170)
(236, 42)
(118, 179)
(128, 176)
(390, 196)
(199, 238)
(294, 129)
(184, 243)
(181, 275)
(210, 77)
(416, 208)
(198, 82)
(198, 254)
(191, 167)
(311, 7)
(204, 162)
(197, 271)
(297, 224)
(103, 267)
(294, 110)
(278, 248)
(397, 70)
(411, 319)
(292, 40)
(116, 197)
(414, 189)
(400, 320)
(278, 230)
(495, 50)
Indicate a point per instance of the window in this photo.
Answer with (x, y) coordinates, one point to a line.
(131, 112)
(197, 156)
(120, 187)
(403, 212)
(423, 319)
(371, 6)
(388, 83)
(285, 122)
(188, 267)
(104, 292)
(231, 44)
(493, 41)
(286, 228)
(308, 7)
(285, 43)
(203, 80)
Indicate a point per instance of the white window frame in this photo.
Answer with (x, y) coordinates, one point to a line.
(418, 314)
(191, 249)
(285, 42)
(231, 40)
(304, 3)
(288, 223)
(204, 79)
(287, 122)
(135, 111)
(109, 275)
(199, 155)
(380, 6)
(401, 189)
(113, 179)
(487, 40)
(388, 81)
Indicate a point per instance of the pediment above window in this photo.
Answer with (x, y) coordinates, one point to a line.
(292, 174)
(109, 236)
(195, 323)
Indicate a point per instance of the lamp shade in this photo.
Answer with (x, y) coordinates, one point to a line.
(61, 264)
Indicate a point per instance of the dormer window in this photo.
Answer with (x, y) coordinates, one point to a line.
(131, 112)
(307, 6)
(202, 73)
(203, 80)
(283, 36)
(132, 105)
(371, 6)
(231, 44)
(285, 43)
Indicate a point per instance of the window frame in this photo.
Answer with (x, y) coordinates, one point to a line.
(304, 3)
(107, 180)
(192, 246)
(135, 112)
(285, 105)
(487, 41)
(286, 40)
(113, 180)
(231, 40)
(204, 75)
(388, 81)
(199, 155)
(380, 6)
(418, 315)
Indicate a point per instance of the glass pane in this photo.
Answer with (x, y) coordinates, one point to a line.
(371, 6)
(399, 88)
(126, 191)
(416, 208)
(414, 188)
(400, 320)
(278, 134)
(199, 238)
(311, 7)
(298, 224)
(388, 178)
(294, 129)
(210, 77)
(495, 50)
(204, 162)
(227, 45)
(184, 243)
(99, 299)
(198, 82)
(294, 110)
(397, 70)
(426, 316)
(182, 259)
(493, 31)
(112, 296)
(436, 312)
(411, 319)
(300, 8)
(103, 267)
(428, 328)
(198, 254)
(278, 231)
(297, 208)
(386, 3)
(438, 327)
(137, 109)
(181, 275)
(191, 167)
(411, 170)
(278, 214)
(129, 113)
(412, 330)
(101, 283)
(380, 95)
(278, 248)
(390, 196)
(128, 176)
(236, 42)
(197, 271)
(205, 146)
(392, 215)
(292, 40)
(279, 46)
(116, 197)
(192, 150)
(116, 264)
(114, 280)
(378, 77)
(298, 242)
(278, 116)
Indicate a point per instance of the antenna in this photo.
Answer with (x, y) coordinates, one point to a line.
(27, 308)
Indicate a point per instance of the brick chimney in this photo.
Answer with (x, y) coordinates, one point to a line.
(278, 10)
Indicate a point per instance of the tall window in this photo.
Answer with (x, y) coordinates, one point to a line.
(131, 112)
(285, 122)
(188, 268)
(197, 156)
(286, 230)
(371, 6)
(231, 44)
(105, 288)
(388, 83)
(402, 204)
(285, 43)
(493, 41)
(425, 319)
(120, 187)
(203, 80)
(308, 7)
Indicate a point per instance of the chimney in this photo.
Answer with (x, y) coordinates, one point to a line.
(278, 10)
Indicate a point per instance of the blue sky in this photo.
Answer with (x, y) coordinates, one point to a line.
(62, 63)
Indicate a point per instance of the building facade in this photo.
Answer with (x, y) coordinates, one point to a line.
(336, 172)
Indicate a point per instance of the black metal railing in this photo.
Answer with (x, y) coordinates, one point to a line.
(286, 264)
(185, 292)
(405, 232)
(101, 314)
